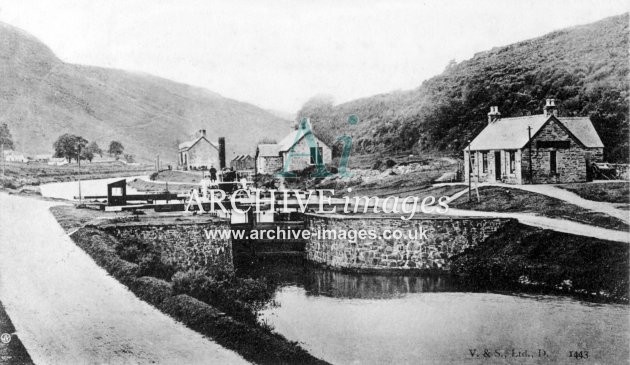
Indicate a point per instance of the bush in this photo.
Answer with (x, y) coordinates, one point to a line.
(240, 298)
(146, 255)
(152, 290)
(100, 247)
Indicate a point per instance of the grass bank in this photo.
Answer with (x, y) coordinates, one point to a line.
(216, 304)
(523, 258)
(611, 192)
(502, 199)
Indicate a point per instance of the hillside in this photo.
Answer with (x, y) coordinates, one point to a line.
(42, 97)
(585, 68)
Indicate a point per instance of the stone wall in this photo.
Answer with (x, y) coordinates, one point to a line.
(269, 164)
(203, 154)
(184, 244)
(445, 237)
(570, 162)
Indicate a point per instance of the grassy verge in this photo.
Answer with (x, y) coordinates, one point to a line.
(139, 267)
(501, 199)
(17, 175)
(612, 192)
(522, 258)
(14, 351)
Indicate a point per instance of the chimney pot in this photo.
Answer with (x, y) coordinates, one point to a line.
(494, 114)
(550, 108)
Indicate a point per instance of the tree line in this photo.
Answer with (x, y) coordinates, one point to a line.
(72, 147)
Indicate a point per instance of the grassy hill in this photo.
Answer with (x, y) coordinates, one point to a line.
(585, 68)
(42, 97)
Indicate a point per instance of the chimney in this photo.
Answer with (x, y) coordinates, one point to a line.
(202, 133)
(494, 114)
(221, 152)
(550, 108)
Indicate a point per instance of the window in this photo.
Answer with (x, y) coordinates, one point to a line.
(472, 161)
(552, 162)
(316, 155)
(512, 161)
(116, 191)
(484, 160)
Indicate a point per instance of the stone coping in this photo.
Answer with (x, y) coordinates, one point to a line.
(397, 216)
(161, 221)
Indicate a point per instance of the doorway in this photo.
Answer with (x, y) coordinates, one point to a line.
(497, 165)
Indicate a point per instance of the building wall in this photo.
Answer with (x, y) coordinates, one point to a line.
(302, 147)
(269, 164)
(479, 175)
(203, 154)
(446, 237)
(570, 162)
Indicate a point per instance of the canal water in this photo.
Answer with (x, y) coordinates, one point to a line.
(371, 319)
(68, 190)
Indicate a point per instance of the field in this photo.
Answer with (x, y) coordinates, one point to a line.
(19, 174)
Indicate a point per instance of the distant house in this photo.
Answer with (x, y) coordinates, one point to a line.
(200, 153)
(268, 159)
(14, 156)
(43, 157)
(562, 149)
(242, 163)
(271, 158)
(57, 161)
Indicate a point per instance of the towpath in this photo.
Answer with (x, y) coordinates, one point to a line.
(67, 310)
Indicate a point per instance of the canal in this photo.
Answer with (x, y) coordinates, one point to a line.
(372, 319)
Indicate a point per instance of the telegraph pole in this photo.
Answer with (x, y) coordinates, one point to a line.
(2, 151)
(79, 162)
(469, 172)
(529, 141)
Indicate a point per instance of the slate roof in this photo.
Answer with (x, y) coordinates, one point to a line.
(241, 157)
(511, 133)
(188, 144)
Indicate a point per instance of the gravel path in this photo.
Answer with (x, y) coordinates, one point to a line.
(67, 310)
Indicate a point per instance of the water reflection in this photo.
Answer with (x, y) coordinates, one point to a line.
(295, 271)
(373, 319)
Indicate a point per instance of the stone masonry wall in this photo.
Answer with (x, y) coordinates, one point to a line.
(445, 237)
(183, 244)
(571, 162)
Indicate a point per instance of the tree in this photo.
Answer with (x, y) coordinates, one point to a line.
(68, 145)
(116, 149)
(94, 149)
(5, 137)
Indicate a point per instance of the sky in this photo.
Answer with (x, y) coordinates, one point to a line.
(279, 53)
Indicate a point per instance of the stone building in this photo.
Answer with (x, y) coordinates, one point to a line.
(297, 151)
(200, 153)
(242, 163)
(561, 148)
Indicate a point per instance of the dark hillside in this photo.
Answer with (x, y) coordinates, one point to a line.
(585, 68)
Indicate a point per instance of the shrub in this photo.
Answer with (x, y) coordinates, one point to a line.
(240, 298)
(152, 290)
